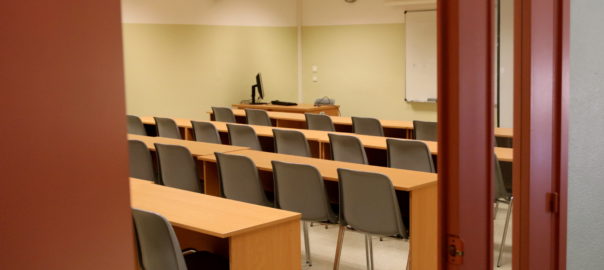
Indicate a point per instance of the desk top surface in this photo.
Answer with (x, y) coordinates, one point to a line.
(375, 142)
(196, 148)
(295, 108)
(343, 120)
(204, 213)
(401, 179)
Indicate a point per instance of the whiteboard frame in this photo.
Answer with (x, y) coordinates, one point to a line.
(429, 100)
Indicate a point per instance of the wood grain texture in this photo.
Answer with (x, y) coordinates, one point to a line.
(265, 249)
(205, 214)
(424, 228)
(196, 148)
(347, 121)
(313, 136)
(299, 109)
(404, 180)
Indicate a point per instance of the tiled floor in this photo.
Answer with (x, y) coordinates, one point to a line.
(388, 254)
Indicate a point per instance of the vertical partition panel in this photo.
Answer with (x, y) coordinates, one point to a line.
(64, 199)
(540, 128)
(465, 117)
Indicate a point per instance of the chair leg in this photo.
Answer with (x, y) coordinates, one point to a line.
(369, 251)
(336, 262)
(408, 258)
(505, 230)
(496, 209)
(306, 242)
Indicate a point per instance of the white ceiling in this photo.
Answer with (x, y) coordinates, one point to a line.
(211, 12)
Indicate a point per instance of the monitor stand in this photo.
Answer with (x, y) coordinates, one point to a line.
(254, 87)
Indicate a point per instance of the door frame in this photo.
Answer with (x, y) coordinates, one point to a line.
(541, 95)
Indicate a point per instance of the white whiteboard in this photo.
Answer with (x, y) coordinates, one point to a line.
(420, 55)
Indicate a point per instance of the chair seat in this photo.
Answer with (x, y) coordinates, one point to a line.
(203, 260)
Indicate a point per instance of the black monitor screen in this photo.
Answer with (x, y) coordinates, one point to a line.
(259, 85)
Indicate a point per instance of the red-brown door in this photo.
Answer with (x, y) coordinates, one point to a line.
(540, 133)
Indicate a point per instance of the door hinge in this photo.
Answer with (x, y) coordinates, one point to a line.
(456, 251)
(554, 202)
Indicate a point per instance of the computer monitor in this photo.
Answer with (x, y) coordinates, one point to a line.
(258, 87)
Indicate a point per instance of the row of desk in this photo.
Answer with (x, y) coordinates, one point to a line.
(392, 128)
(251, 236)
(422, 188)
(256, 237)
(319, 140)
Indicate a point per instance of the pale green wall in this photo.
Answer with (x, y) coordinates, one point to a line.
(182, 70)
(363, 68)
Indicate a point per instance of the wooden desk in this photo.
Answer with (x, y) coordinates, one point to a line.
(422, 188)
(252, 236)
(392, 128)
(319, 140)
(299, 109)
(196, 148)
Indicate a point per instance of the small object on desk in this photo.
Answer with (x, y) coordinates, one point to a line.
(283, 103)
(324, 101)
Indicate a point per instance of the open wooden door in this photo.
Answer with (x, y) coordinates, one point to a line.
(466, 132)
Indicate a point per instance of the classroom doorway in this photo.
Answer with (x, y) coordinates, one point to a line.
(470, 73)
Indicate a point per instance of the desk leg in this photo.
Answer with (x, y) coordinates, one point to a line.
(325, 151)
(290, 124)
(276, 247)
(315, 149)
(210, 178)
(424, 228)
(187, 133)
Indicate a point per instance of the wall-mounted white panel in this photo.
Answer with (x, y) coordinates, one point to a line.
(211, 12)
(420, 53)
(338, 12)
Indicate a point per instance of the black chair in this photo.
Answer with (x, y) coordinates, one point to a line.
(367, 126)
(167, 128)
(425, 131)
(223, 114)
(205, 132)
(158, 247)
(136, 126)
(239, 179)
(319, 122)
(141, 163)
(177, 167)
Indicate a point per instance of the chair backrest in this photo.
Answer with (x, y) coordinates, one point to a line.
(167, 128)
(291, 142)
(367, 126)
(368, 203)
(141, 164)
(242, 135)
(136, 126)
(425, 131)
(205, 132)
(257, 117)
(157, 243)
(500, 189)
(300, 188)
(319, 122)
(409, 155)
(347, 148)
(177, 167)
(239, 179)
(223, 114)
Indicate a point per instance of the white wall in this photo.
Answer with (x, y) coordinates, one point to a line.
(586, 166)
(211, 12)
